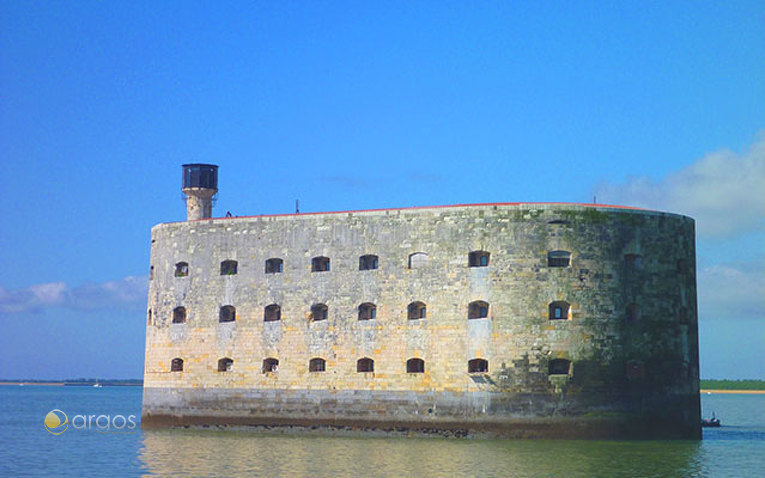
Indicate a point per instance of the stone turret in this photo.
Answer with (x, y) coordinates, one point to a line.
(200, 185)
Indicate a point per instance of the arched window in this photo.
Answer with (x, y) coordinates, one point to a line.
(317, 365)
(365, 365)
(179, 315)
(417, 260)
(272, 313)
(633, 261)
(559, 367)
(320, 264)
(415, 365)
(478, 310)
(151, 272)
(416, 310)
(176, 365)
(559, 310)
(270, 365)
(368, 262)
(148, 317)
(274, 265)
(182, 269)
(319, 312)
(478, 259)
(225, 364)
(633, 312)
(477, 365)
(558, 259)
(228, 268)
(227, 313)
(367, 311)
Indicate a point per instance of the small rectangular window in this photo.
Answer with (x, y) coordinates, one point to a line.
(368, 262)
(478, 259)
(181, 269)
(228, 268)
(320, 264)
(274, 266)
(558, 259)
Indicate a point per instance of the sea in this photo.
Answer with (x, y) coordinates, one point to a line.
(96, 436)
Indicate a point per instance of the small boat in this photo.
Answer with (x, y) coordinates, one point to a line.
(97, 385)
(713, 422)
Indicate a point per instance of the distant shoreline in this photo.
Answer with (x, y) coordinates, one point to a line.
(107, 383)
(753, 392)
(47, 384)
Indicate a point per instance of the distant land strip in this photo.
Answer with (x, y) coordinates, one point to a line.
(757, 392)
(719, 386)
(706, 386)
(82, 382)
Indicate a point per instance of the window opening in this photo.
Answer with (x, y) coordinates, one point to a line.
(228, 268)
(416, 310)
(559, 367)
(559, 310)
(365, 365)
(319, 312)
(478, 366)
(227, 313)
(558, 259)
(179, 315)
(181, 269)
(176, 365)
(270, 365)
(317, 365)
(415, 365)
(367, 311)
(478, 310)
(368, 263)
(274, 265)
(225, 364)
(272, 313)
(478, 259)
(320, 264)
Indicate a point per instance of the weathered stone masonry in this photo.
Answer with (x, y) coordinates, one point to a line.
(601, 342)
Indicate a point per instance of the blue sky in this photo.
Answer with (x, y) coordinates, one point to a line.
(355, 105)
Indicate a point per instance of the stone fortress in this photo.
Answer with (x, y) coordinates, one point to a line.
(513, 320)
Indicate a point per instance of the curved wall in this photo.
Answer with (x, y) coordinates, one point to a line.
(621, 361)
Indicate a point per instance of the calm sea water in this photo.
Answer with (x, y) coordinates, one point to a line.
(28, 449)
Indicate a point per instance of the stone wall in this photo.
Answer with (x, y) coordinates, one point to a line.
(630, 334)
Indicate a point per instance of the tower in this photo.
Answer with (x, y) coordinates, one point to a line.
(200, 184)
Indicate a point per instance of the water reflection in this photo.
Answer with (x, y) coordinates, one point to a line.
(238, 453)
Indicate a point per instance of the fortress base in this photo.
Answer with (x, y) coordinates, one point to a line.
(449, 414)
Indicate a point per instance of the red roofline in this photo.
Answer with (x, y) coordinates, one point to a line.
(609, 206)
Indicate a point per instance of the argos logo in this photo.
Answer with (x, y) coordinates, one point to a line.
(57, 422)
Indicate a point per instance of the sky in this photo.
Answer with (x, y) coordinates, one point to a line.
(358, 105)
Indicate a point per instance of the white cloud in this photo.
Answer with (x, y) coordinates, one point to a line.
(48, 294)
(732, 291)
(130, 291)
(723, 191)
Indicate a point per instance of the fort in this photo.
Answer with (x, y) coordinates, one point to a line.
(510, 319)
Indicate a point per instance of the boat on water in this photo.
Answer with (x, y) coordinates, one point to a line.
(713, 422)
